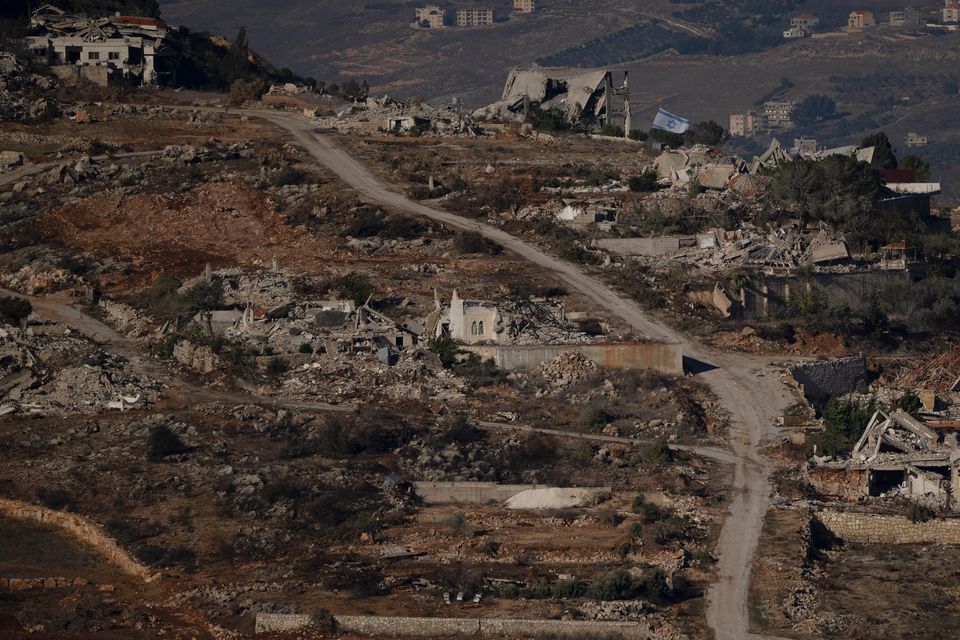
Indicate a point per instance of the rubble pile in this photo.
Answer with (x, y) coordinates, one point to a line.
(780, 250)
(362, 377)
(940, 374)
(15, 82)
(389, 115)
(567, 369)
(46, 369)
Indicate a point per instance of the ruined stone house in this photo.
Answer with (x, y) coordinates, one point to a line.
(103, 50)
(897, 455)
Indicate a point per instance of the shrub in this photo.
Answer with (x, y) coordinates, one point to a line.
(355, 286)
(612, 130)
(645, 182)
(461, 431)
(242, 92)
(163, 442)
(55, 497)
(593, 416)
(474, 242)
(638, 134)
(621, 585)
(844, 421)
(14, 311)
(276, 366)
(657, 454)
(919, 513)
(445, 348)
(289, 176)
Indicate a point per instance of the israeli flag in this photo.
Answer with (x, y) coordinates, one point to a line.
(669, 122)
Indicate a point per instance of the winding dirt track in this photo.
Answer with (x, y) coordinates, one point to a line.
(747, 387)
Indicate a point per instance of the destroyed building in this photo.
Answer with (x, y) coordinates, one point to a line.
(897, 455)
(581, 95)
(102, 50)
(516, 321)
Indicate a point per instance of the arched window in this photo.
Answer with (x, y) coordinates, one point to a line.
(473, 328)
(480, 328)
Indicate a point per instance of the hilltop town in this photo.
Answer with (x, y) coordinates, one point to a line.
(284, 355)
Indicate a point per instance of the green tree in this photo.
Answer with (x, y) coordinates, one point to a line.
(707, 132)
(355, 286)
(814, 108)
(920, 166)
(645, 182)
(837, 189)
(883, 156)
(14, 311)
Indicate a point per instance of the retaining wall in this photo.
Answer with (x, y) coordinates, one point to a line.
(431, 627)
(81, 529)
(872, 528)
(662, 357)
(469, 492)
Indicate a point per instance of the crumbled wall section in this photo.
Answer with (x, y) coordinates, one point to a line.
(826, 378)
(81, 529)
(878, 529)
(431, 627)
(845, 484)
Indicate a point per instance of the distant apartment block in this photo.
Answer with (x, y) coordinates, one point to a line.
(431, 17)
(951, 12)
(916, 140)
(524, 6)
(743, 124)
(860, 20)
(771, 117)
(907, 17)
(467, 18)
(777, 115)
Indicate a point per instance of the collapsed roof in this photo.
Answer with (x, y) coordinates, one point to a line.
(573, 91)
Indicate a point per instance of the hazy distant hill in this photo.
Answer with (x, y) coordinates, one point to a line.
(373, 39)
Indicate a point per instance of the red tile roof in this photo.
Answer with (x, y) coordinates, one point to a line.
(806, 16)
(143, 22)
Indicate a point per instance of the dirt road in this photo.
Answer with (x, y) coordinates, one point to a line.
(747, 387)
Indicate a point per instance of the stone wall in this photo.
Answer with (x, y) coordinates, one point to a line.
(431, 627)
(824, 379)
(662, 357)
(81, 529)
(874, 529)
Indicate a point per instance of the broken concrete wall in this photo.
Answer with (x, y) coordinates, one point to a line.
(844, 484)
(824, 379)
(662, 357)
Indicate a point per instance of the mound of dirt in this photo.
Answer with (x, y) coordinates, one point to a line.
(556, 498)
(224, 224)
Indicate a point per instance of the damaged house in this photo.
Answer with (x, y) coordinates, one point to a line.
(581, 95)
(511, 322)
(897, 455)
(102, 50)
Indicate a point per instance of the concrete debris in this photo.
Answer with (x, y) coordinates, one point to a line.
(896, 456)
(782, 250)
(386, 115)
(567, 369)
